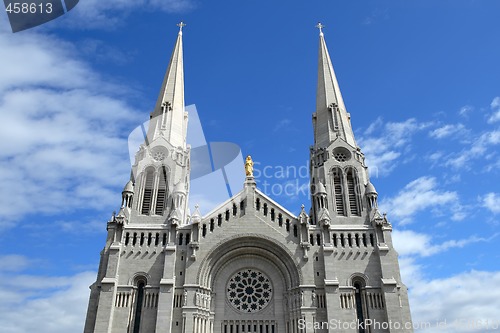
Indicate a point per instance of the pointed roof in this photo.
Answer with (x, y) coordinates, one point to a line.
(370, 189)
(171, 123)
(129, 187)
(328, 94)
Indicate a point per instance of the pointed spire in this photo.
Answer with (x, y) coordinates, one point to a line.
(168, 118)
(331, 118)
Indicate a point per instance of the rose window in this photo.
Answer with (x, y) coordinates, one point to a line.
(249, 291)
(159, 156)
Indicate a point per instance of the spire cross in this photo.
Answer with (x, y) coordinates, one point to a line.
(320, 27)
(181, 25)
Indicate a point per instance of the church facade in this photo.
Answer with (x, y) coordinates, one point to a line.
(250, 265)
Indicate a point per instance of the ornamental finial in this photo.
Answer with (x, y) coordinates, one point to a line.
(181, 25)
(320, 27)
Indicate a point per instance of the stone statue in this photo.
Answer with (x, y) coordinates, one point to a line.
(249, 166)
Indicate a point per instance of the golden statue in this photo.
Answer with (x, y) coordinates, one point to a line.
(249, 166)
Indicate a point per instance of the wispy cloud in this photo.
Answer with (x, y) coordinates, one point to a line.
(282, 124)
(61, 130)
(447, 131)
(92, 14)
(495, 107)
(479, 147)
(465, 110)
(384, 144)
(422, 194)
(408, 242)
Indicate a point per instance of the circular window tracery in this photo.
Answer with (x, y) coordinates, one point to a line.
(341, 154)
(159, 156)
(249, 291)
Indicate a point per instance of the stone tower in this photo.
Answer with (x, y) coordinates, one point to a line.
(249, 265)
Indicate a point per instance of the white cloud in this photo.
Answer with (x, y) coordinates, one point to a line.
(495, 106)
(479, 147)
(408, 243)
(419, 195)
(62, 136)
(44, 304)
(282, 124)
(91, 14)
(456, 300)
(382, 151)
(465, 110)
(491, 201)
(13, 263)
(447, 131)
(451, 298)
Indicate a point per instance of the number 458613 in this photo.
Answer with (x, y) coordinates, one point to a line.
(29, 8)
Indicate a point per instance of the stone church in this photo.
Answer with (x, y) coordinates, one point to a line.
(249, 265)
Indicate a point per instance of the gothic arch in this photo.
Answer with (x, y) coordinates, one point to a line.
(241, 245)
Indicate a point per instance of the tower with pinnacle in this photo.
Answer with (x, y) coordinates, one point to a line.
(249, 265)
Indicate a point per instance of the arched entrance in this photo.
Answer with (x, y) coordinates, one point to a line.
(250, 278)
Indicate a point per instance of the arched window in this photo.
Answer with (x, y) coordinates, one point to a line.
(141, 283)
(161, 194)
(359, 287)
(181, 238)
(352, 191)
(147, 197)
(338, 192)
(318, 239)
(188, 239)
(295, 231)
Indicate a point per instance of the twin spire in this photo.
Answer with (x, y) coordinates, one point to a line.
(169, 118)
(331, 119)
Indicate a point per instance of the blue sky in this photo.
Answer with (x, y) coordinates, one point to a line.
(421, 80)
